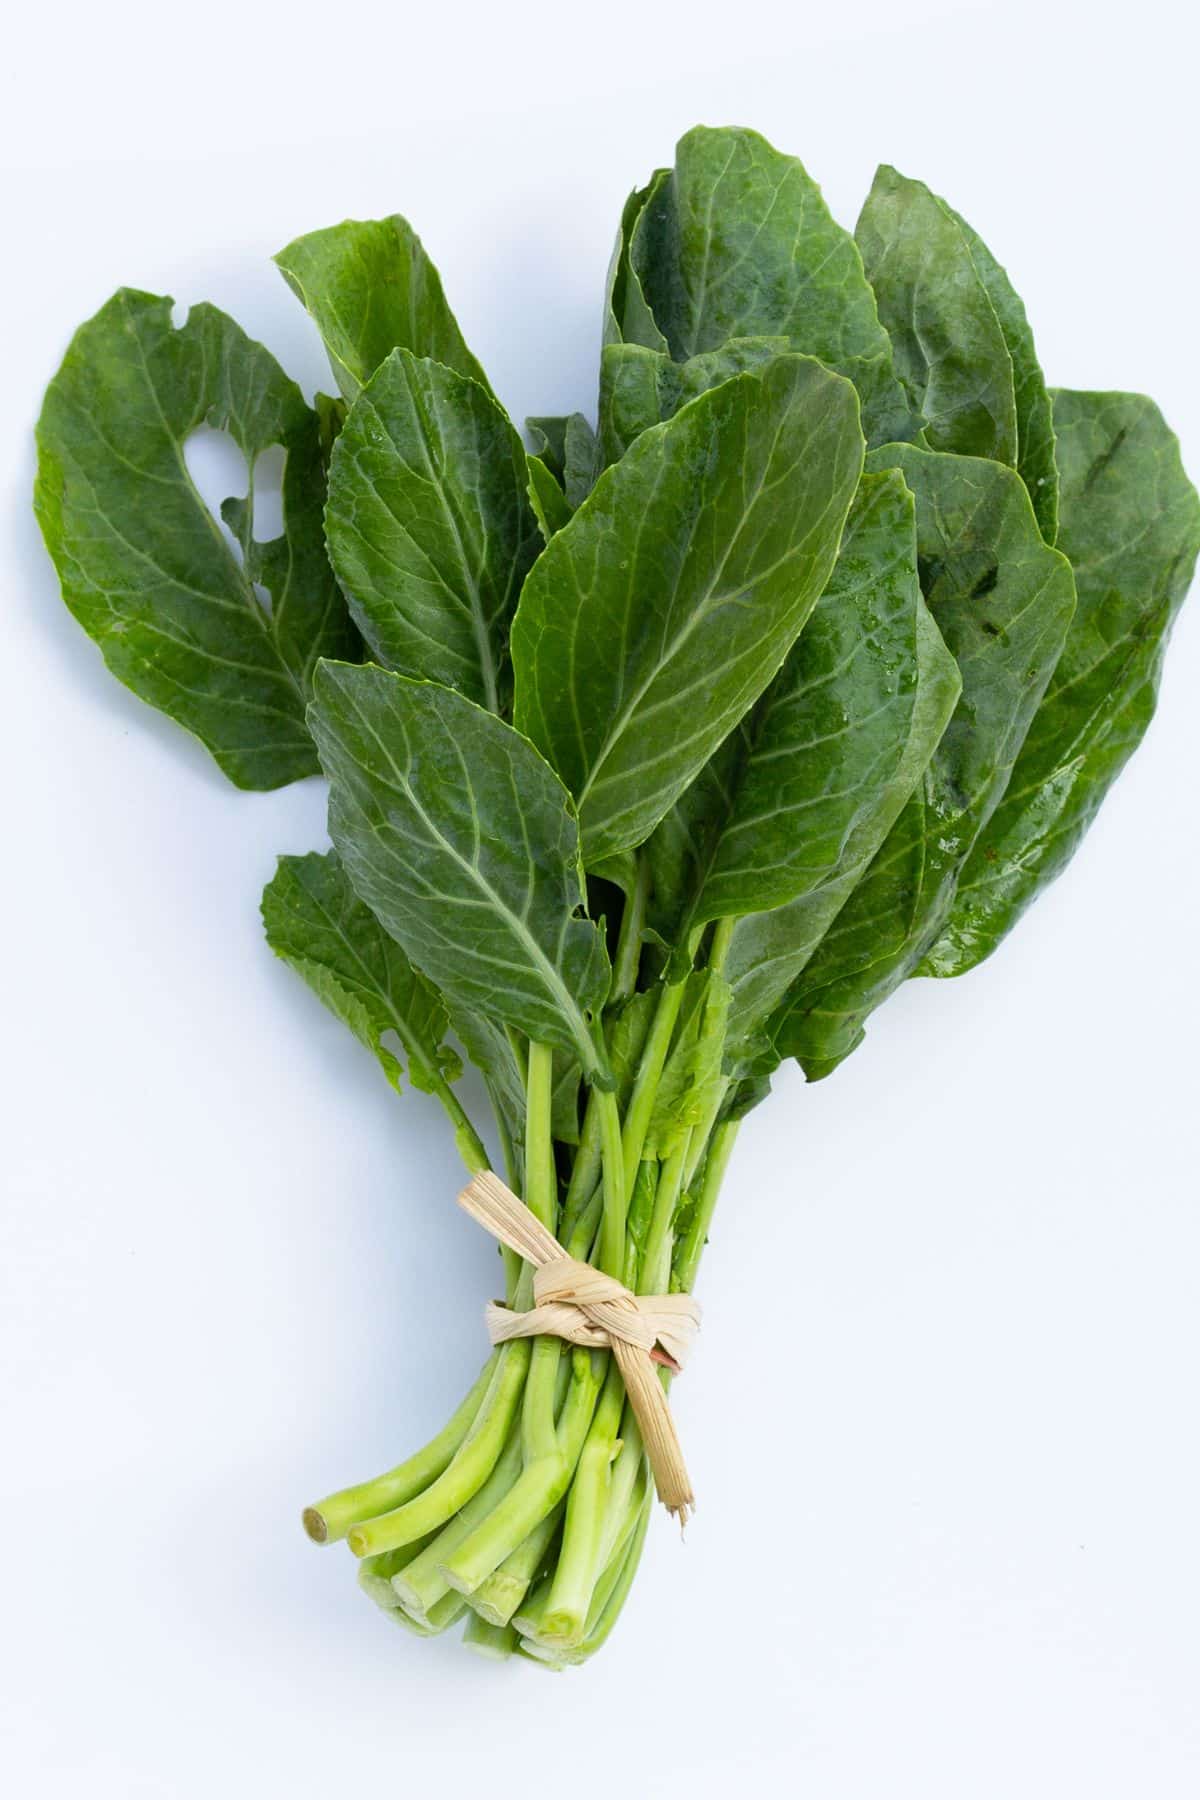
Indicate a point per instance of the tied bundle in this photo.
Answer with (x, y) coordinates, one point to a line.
(662, 749)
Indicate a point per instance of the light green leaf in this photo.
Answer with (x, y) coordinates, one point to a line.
(1130, 525)
(1035, 461)
(657, 616)
(1002, 600)
(430, 526)
(144, 566)
(370, 289)
(949, 348)
(316, 923)
(736, 241)
(466, 847)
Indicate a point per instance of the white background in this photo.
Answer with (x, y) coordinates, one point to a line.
(949, 1477)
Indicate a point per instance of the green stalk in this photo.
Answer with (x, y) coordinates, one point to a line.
(421, 1584)
(375, 1573)
(629, 942)
(575, 1573)
(541, 1199)
(645, 1087)
(690, 1251)
(498, 1598)
(656, 1258)
(467, 1471)
(585, 1170)
(334, 1516)
(618, 1185)
(538, 1490)
(497, 1641)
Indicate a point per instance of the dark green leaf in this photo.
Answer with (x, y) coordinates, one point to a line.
(144, 566)
(581, 460)
(1002, 600)
(627, 316)
(769, 950)
(549, 435)
(465, 845)
(949, 348)
(772, 814)
(736, 241)
(1130, 524)
(547, 499)
(656, 617)
(370, 288)
(1035, 425)
(640, 388)
(317, 924)
(492, 1050)
(430, 526)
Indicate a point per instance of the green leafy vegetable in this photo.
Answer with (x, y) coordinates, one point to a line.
(684, 577)
(465, 845)
(144, 566)
(1131, 527)
(1002, 600)
(371, 289)
(316, 923)
(431, 530)
(793, 720)
(949, 347)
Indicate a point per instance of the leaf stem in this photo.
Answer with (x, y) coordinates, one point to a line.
(645, 1087)
(629, 943)
(692, 1248)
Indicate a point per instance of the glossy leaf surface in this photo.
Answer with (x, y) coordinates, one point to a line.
(465, 845)
(145, 567)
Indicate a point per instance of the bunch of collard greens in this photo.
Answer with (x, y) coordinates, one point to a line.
(658, 753)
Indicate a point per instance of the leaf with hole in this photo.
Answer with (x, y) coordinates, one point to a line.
(144, 566)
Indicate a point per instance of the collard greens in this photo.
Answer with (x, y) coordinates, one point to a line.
(660, 748)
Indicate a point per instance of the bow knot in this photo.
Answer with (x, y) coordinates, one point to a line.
(572, 1300)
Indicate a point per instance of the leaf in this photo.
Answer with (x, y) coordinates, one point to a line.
(549, 434)
(490, 1048)
(564, 1099)
(316, 923)
(771, 815)
(655, 618)
(581, 460)
(640, 388)
(949, 349)
(430, 527)
(146, 569)
(1130, 524)
(370, 289)
(466, 847)
(1035, 462)
(627, 316)
(736, 241)
(769, 950)
(547, 499)
(1002, 600)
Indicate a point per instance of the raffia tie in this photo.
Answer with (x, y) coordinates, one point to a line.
(572, 1300)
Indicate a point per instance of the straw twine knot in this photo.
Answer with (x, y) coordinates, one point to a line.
(572, 1300)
